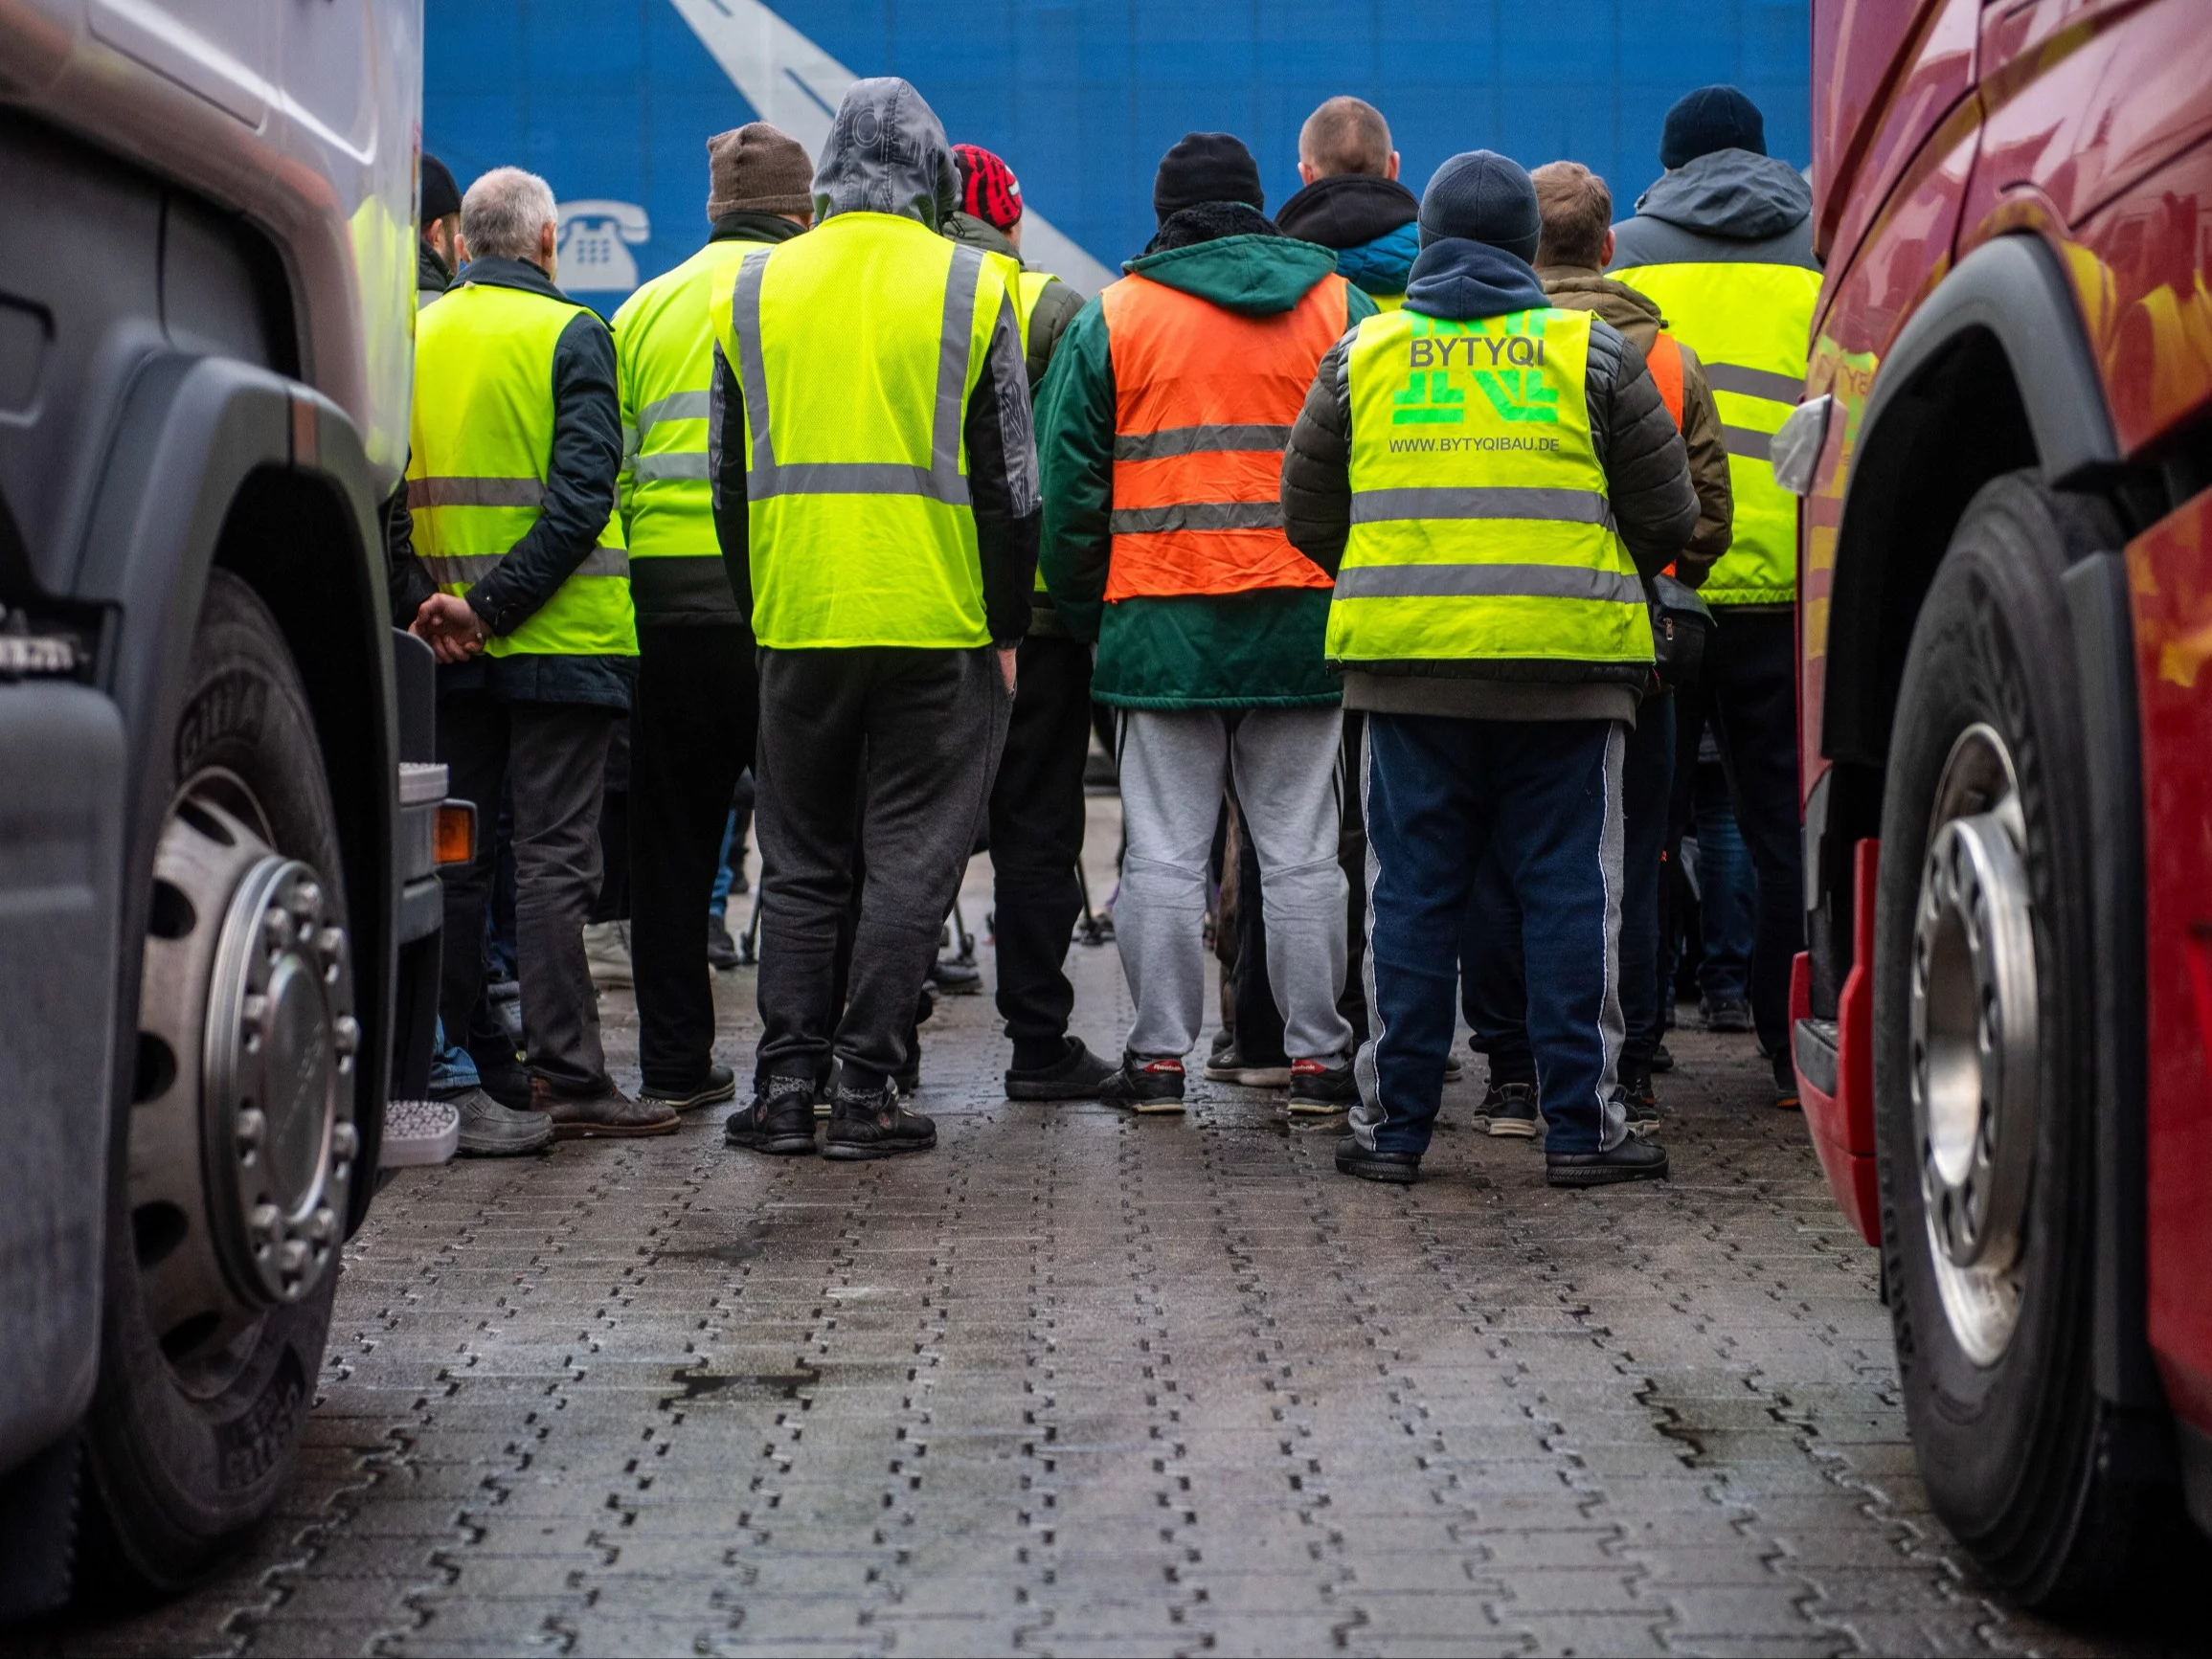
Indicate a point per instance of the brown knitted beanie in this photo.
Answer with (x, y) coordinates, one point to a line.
(757, 168)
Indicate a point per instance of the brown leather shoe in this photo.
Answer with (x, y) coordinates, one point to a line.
(604, 1115)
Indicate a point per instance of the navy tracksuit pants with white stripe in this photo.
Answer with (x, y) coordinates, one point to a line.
(1545, 795)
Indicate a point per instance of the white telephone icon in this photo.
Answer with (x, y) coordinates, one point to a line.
(596, 238)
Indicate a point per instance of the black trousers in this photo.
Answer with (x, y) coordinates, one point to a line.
(1036, 829)
(552, 757)
(692, 733)
(915, 736)
(1749, 689)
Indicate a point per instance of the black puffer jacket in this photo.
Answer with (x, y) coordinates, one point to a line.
(1647, 483)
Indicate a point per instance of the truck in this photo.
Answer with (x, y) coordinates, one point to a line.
(2003, 1018)
(219, 796)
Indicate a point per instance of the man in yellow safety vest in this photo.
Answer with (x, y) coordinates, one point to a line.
(1490, 479)
(1723, 244)
(875, 495)
(691, 730)
(511, 484)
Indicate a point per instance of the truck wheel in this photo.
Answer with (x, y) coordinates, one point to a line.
(229, 1191)
(1984, 1060)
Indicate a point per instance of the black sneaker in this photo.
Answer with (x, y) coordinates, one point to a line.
(721, 947)
(1662, 1058)
(954, 977)
(1076, 1075)
(1317, 1089)
(1228, 1065)
(779, 1121)
(1728, 1014)
(1786, 1097)
(1635, 1160)
(1511, 1108)
(870, 1123)
(1644, 1111)
(1454, 1069)
(721, 1085)
(1144, 1085)
(1399, 1168)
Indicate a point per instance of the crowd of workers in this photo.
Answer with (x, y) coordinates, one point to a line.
(1415, 545)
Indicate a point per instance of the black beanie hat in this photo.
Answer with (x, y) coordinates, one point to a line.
(1485, 197)
(1205, 167)
(1709, 119)
(441, 195)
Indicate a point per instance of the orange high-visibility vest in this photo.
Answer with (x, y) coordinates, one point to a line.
(1205, 400)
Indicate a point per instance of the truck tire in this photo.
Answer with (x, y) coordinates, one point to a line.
(1985, 1046)
(228, 1192)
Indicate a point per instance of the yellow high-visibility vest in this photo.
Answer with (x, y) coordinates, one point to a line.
(1749, 323)
(857, 348)
(1481, 525)
(482, 431)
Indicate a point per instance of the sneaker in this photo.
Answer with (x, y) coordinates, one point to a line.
(1786, 1097)
(1511, 1108)
(779, 1121)
(1662, 1058)
(1635, 1160)
(954, 977)
(606, 1114)
(607, 953)
(1728, 1014)
(420, 1133)
(721, 1085)
(1317, 1088)
(1454, 1069)
(1642, 1106)
(870, 1123)
(1076, 1075)
(491, 1130)
(1399, 1168)
(1145, 1085)
(1228, 1065)
(721, 947)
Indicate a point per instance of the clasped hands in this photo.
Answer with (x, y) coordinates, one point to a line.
(454, 632)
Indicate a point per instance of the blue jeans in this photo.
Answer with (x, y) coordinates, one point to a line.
(719, 906)
(451, 1069)
(1545, 797)
(1727, 888)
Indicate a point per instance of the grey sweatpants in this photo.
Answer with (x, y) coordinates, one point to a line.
(1174, 767)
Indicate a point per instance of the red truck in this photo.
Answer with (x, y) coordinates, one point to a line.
(2004, 1021)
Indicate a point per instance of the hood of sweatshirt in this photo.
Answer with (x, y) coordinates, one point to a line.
(1732, 193)
(1579, 288)
(1255, 274)
(1347, 209)
(886, 153)
(1462, 279)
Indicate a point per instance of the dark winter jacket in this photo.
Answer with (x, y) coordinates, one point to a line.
(579, 497)
(1730, 205)
(885, 154)
(1575, 288)
(1647, 483)
(431, 277)
(1370, 222)
(1256, 649)
(1056, 305)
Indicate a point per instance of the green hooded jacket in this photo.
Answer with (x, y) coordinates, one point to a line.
(1254, 650)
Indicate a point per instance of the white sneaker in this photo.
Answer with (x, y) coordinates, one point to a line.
(607, 953)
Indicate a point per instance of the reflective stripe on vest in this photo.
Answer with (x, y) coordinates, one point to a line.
(1480, 527)
(665, 347)
(1205, 399)
(1749, 324)
(482, 435)
(856, 347)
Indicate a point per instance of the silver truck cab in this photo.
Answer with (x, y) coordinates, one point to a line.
(218, 911)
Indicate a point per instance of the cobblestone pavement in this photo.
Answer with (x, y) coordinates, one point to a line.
(1079, 1383)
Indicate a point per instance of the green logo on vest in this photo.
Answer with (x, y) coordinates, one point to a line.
(1427, 401)
(1508, 368)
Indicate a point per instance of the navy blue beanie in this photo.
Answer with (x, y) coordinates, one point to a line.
(1709, 119)
(1485, 197)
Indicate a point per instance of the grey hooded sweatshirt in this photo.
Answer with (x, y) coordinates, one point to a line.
(1730, 205)
(886, 154)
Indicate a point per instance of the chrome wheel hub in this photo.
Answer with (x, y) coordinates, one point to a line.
(242, 1141)
(1975, 1041)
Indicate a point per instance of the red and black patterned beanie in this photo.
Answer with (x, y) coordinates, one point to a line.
(989, 191)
